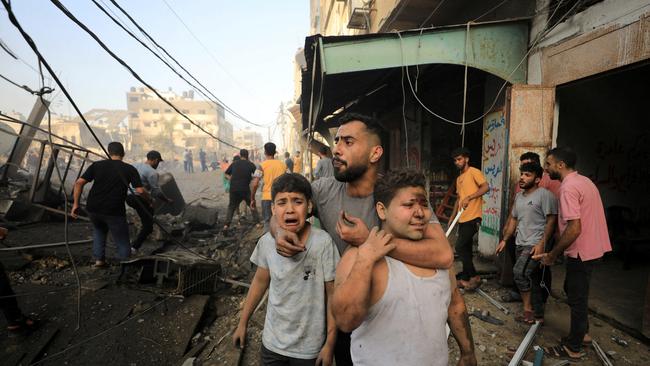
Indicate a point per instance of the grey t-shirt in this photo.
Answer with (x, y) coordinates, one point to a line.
(296, 321)
(324, 168)
(330, 198)
(531, 211)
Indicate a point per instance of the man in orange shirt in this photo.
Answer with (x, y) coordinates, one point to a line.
(470, 187)
(269, 170)
(297, 163)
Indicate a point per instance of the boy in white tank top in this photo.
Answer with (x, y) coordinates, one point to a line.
(397, 312)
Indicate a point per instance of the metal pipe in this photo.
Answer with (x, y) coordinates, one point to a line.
(493, 301)
(524, 345)
(601, 354)
(48, 245)
(453, 223)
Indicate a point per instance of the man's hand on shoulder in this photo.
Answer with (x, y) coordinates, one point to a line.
(288, 243)
(351, 229)
(376, 246)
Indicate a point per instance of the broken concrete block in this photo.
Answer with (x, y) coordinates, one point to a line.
(200, 217)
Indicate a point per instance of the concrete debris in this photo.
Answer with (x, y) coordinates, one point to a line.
(200, 217)
(620, 341)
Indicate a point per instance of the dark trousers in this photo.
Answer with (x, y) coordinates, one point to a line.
(8, 305)
(145, 212)
(235, 199)
(342, 349)
(464, 247)
(576, 286)
(270, 358)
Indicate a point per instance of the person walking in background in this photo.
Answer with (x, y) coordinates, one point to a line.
(470, 187)
(270, 169)
(223, 166)
(105, 204)
(203, 160)
(324, 167)
(240, 173)
(144, 208)
(190, 161)
(186, 161)
(297, 163)
(288, 162)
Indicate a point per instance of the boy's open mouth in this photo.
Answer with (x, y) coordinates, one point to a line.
(291, 222)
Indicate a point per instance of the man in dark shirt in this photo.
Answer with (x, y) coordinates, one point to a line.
(240, 174)
(105, 203)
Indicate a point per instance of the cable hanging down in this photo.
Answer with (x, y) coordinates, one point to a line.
(67, 13)
(212, 97)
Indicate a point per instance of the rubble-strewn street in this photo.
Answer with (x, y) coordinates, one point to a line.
(133, 323)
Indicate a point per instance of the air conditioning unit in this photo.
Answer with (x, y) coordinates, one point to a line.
(359, 14)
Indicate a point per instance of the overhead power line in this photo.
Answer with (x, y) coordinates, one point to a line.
(204, 47)
(94, 36)
(215, 99)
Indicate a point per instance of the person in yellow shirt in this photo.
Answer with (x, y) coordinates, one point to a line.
(268, 171)
(470, 187)
(297, 163)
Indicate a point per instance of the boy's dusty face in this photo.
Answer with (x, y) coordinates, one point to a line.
(290, 209)
(407, 215)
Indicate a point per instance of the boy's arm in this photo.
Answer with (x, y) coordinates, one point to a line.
(258, 287)
(327, 352)
(351, 299)
(432, 251)
(458, 321)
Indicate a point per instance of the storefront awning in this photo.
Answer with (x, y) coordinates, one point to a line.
(341, 69)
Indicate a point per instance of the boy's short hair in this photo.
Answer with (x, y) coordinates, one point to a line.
(394, 180)
(461, 151)
(530, 156)
(243, 153)
(534, 168)
(291, 182)
(115, 149)
(324, 150)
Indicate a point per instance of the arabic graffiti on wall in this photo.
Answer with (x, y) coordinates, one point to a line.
(493, 160)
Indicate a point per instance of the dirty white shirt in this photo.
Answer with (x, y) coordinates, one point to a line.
(296, 318)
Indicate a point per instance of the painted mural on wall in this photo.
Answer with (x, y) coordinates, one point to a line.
(493, 166)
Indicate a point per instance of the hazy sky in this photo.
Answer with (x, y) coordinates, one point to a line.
(254, 40)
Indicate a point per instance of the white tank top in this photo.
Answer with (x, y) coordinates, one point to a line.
(407, 325)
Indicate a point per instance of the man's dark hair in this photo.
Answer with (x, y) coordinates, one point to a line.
(530, 156)
(324, 150)
(236, 157)
(393, 180)
(287, 155)
(564, 154)
(461, 151)
(372, 125)
(243, 153)
(291, 182)
(269, 149)
(115, 149)
(534, 168)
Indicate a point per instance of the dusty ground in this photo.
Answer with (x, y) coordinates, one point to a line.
(131, 324)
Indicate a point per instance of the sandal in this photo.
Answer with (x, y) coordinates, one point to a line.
(586, 343)
(100, 265)
(526, 318)
(22, 326)
(561, 353)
